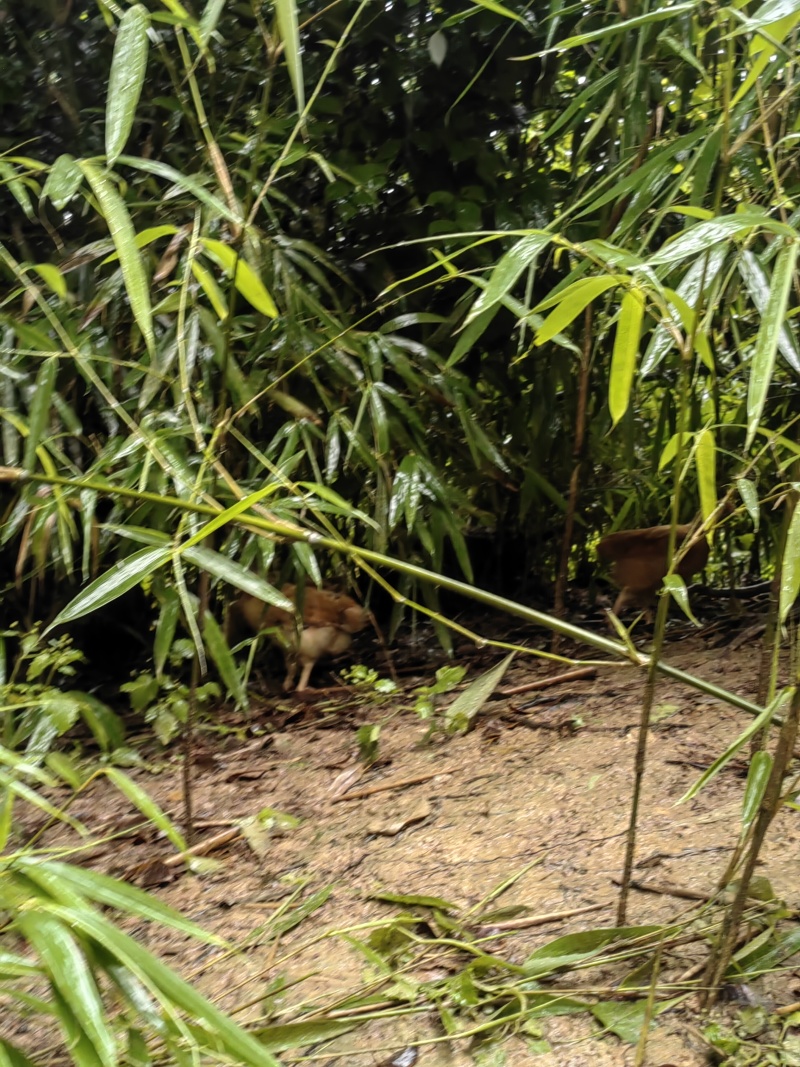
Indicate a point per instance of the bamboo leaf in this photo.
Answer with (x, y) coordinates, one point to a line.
(124, 238)
(217, 1028)
(625, 1020)
(502, 279)
(757, 778)
(210, 18)
(17, 188)
(52, 277)
(790, 567)
(698, 239)
(757, 283)
(705, 458)
(461, 713)
(758, 723)
(185, 182)
(286, 15)
(676, 587)
(146, 805)
(123, 575)
(221, 655)
(697, 280)
(571, 302)
(228, 570)
(165, 629)
(126, 79)
(625, 354)
(67, 968)
(245, 279)
(763, 362)
(501, 9)
(769, 13)
(749, 495)
(39, 410)
(629, 25)
(215, 295)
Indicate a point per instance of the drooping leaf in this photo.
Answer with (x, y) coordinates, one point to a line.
(626, 353)
(705, 458)
(39, 410)
(790, 566)
(245, 278)
(220, 653)
(755, 278)
(122, 233)
(572, 302)
(126, 78)
(286, 13)
(769, 333)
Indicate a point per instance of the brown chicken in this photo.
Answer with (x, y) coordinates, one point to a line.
(329, 621)
(639, 562)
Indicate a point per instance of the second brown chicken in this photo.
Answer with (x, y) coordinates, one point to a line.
(638, 561)
(329, 620)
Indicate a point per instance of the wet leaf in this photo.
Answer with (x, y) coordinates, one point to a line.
(126, 78)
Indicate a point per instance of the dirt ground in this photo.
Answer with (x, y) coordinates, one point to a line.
(539, 790)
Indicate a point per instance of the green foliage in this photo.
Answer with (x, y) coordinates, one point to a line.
(164, 701)
(37, 709)
(402, 277)
(68, 965)
(447, 678)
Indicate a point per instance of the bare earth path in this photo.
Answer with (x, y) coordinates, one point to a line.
(549, 798)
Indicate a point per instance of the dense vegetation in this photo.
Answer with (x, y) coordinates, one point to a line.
(361, 287)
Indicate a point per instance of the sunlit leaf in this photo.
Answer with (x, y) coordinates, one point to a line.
(626, 353)
(572, 302)
(698, 239)
(245, 279)
(705, 458)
